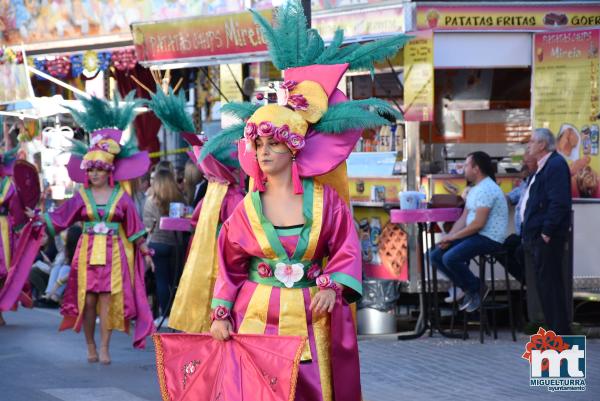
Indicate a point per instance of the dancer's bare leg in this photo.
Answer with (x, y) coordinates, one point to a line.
(89, 325)
(105, 332)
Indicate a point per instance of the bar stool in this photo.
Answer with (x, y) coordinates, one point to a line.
(490, 303)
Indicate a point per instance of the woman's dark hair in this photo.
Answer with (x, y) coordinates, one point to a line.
(484, 162)
(73, 234)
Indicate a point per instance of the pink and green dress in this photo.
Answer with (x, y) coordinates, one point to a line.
(106, 261)
(11, 215)
(267, 278)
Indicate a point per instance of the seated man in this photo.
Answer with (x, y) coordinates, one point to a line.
(480, 229)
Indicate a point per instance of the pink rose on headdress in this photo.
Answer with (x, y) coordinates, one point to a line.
(264, 270)
(296, 142)
(298, 102)
(284, 132)
(265, 128)
(251, 131)
(289, 84)
(314, 271)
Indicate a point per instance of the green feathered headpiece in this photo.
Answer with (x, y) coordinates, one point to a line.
(101, 113)
(170, 109)
(291, 44)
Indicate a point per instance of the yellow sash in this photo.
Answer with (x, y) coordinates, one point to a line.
(191, 307)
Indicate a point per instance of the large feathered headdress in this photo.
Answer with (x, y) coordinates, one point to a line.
(221, 164)
(317, 122)
(105, 122)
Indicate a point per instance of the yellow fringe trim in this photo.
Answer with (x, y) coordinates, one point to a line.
(160, 367)
(296, 368)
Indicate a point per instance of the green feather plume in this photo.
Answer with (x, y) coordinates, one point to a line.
(330, 51)
(357, 114)
(314, 49)
(381, 107)
(129, 148)
(365, 56)
(224, 155)
(224, 139)
(170, 109)
(287, 38)
(100, 113)
(240, 110)
(276, 48)
(77, 147)
(292, 44)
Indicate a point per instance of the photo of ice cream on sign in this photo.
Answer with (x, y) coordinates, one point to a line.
(433, 17)
(568, 142)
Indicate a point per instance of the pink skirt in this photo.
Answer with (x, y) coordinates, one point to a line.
(98, 279)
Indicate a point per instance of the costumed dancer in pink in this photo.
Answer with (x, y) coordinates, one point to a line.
(12, 214)
(191, 307)
(289, 255)
(107, 273)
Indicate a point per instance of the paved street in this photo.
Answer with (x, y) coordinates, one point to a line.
(39, 364)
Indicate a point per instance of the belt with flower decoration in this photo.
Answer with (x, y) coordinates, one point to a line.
(101, 227)
(290, 274)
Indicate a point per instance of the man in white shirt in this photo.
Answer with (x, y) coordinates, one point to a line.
(480, 229)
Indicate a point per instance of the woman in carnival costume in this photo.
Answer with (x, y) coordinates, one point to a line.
(12, 214)
(107, 272)
(191, 307)
(289, 255)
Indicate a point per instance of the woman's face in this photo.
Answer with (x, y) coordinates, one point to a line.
(98, 178)
(273, 157)
(44, 238)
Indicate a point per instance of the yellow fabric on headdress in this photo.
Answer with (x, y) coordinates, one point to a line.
(316, 97)
(106, 156)
(278, 116)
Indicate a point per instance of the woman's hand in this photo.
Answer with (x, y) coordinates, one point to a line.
(221, 330)
(323, 301)
(149, 262)
(29, 213)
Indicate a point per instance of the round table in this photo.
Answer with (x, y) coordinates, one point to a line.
(428, 310)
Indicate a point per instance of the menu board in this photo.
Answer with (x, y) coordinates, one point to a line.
(418, 77)
(566, 100)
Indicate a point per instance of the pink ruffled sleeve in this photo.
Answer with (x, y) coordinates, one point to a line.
(345, 261)
(132, 224)
(233, 263)
(65, 216)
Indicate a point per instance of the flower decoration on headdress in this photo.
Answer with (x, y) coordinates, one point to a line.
(105, 122)
(309, 107)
